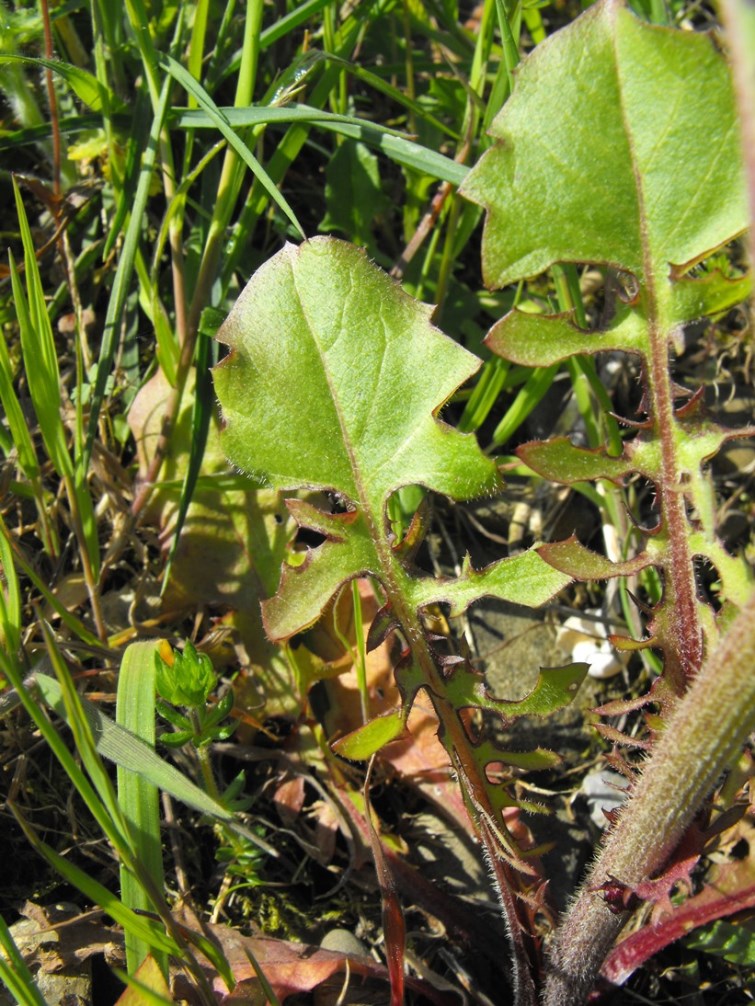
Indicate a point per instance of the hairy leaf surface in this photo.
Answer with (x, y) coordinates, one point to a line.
(634, 164)
(335, 384)
(619, 106)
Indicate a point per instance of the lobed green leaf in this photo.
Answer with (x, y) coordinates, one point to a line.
(334, 383)
(619, 107)
(639, 212)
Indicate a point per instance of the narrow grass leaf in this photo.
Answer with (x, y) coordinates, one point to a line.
(139, 926)
(10, 596)
(197, 41)
(166, 350)
(284, 25)
(144, 928)
(85, 86)
(528, 397)
(390, 142)
(27, 456)
(117, 828)
(270, 997)
(399, 96)
(122, 279)
(58, 747)
(138, 796)
(122, 747)
(43, 377)
(38, 347)
(74, 624)
(413, 155)
(19, 427)
(14, 973)
(70, 124)
(142, 29)
(288, 149)
(220, 120)
(484, 394)
(138, 134)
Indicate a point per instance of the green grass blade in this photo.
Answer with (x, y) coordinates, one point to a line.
(43, 377)
(291, 21)
(194, 62)
(38, 348)
(220, 121)
(390, 142)
(167, 350)
(175, 205)
(14, 973)
(85, 86)
(140, 927)
(138, 138)
(123, 748)
(106, 806)
(56, 744)
(361, 651)
(109, 38)
(88, 721)
(526, 400)
(27, 456)
(67, 617)
(484, 394)
(19, 427)
(137, 796)
(10, 596)
(395, 94)
(197, 41)
(263, 115)
(285, 154)
(231, 174)
(270, 997)
(204, 399)
(143, 928)
(508, 26)
(122, 279)
(250, 52)
(108, 51)
(142, 29)
(69, 124)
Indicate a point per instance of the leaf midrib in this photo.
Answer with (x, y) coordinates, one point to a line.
(680, 587)
(362, 500)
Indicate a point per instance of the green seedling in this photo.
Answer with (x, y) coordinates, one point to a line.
(188, 679)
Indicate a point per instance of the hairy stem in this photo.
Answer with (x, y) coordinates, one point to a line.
(486, 818)
(703, 735)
